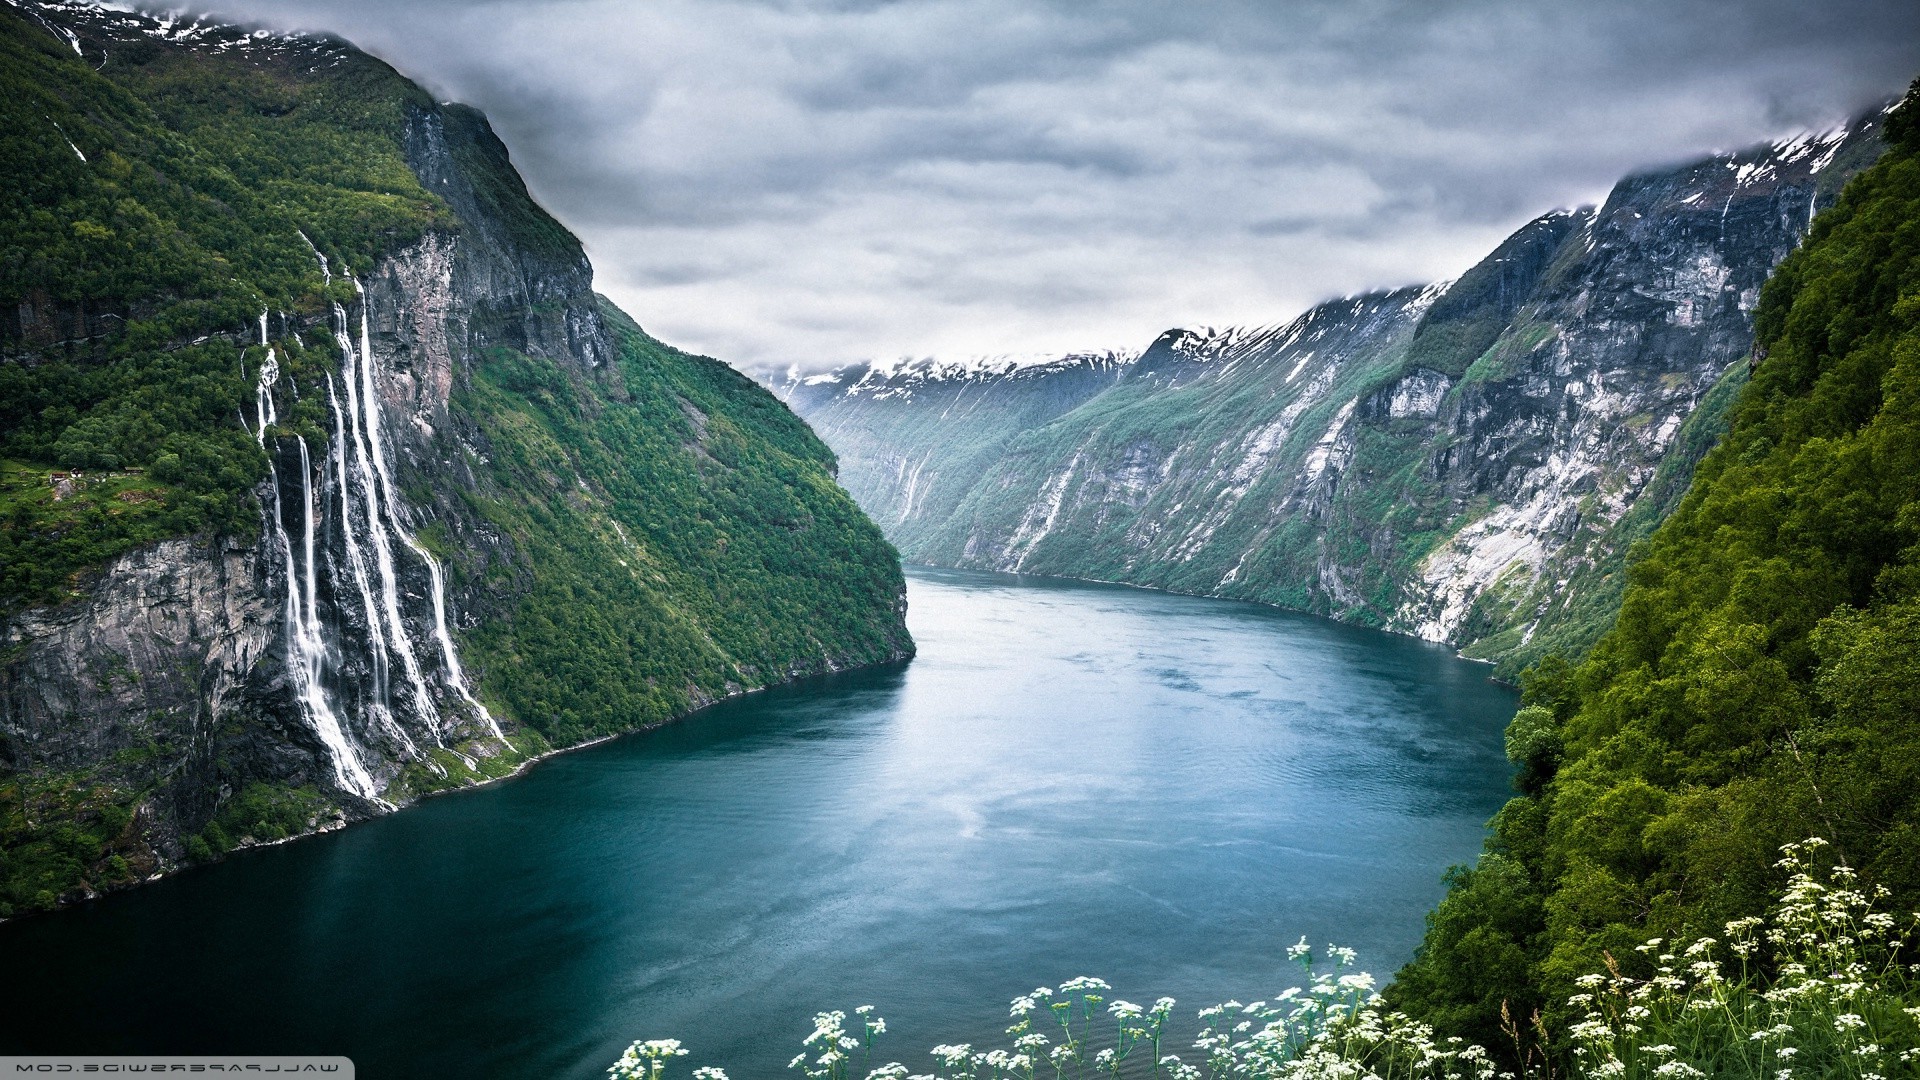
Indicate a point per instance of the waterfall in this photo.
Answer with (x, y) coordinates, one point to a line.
(356, 560)
(263, 399)
(456, 677)
(371, 518)
(306, 646)
(326, 273)
(455, 674)
(363, 423)
(381, 703)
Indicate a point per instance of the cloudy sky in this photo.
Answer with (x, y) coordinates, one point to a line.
(776, 181)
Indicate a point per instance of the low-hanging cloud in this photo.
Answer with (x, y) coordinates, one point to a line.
(779, 181)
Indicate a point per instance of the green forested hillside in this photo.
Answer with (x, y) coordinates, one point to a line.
(1762, 682)
(153, 208)
(625, 531)
(699, 545)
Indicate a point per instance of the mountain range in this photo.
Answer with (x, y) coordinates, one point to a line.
(1468, 461)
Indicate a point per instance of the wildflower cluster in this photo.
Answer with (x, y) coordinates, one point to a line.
(647, 1060)
(1055, 1032)
(1333, 1028)
(1840, 1002)
(1824, 987)
(827, 1053)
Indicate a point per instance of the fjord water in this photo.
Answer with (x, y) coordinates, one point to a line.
(1070, 779)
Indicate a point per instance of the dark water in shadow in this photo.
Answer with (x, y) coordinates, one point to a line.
(1071, 779)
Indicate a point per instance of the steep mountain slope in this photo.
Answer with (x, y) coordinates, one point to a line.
(1468, 461)
(328, 480)
(1761, 684)
(959, 419)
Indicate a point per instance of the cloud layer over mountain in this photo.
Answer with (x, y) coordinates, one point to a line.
(817, 181)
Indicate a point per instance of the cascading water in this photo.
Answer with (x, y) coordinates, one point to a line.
(456, 677)
(371, 517)
(357, 565)
(306, 646)
(326, 272)
(362, 429)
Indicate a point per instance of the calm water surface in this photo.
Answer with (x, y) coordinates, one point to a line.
(1160, 790)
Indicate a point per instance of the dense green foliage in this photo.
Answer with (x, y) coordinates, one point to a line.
(140, 270)
(260, 813)
(1762, 682)
(680, 544)
(59, 831)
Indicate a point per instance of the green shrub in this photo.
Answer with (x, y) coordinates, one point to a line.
(198, 850)
(1534, 743)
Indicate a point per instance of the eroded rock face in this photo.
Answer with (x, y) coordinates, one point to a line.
(1567, 420)
(180, 669)
(310, 671)
(1467, 462)
(171, 638)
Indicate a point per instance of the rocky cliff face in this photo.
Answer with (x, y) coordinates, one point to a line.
(918, 436)
(496, 518)
(1468, 462)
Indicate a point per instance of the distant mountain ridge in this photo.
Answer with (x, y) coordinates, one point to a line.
(1467, 461)
(965, 413)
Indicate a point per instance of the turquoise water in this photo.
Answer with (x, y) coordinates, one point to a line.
(1071, 779)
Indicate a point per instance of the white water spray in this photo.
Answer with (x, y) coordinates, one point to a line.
(356, 560)
(456, 677)
(326, 273)
(306, 646)
(363, 446)
(371, 517)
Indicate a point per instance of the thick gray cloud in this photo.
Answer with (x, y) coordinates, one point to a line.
(818, 181)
